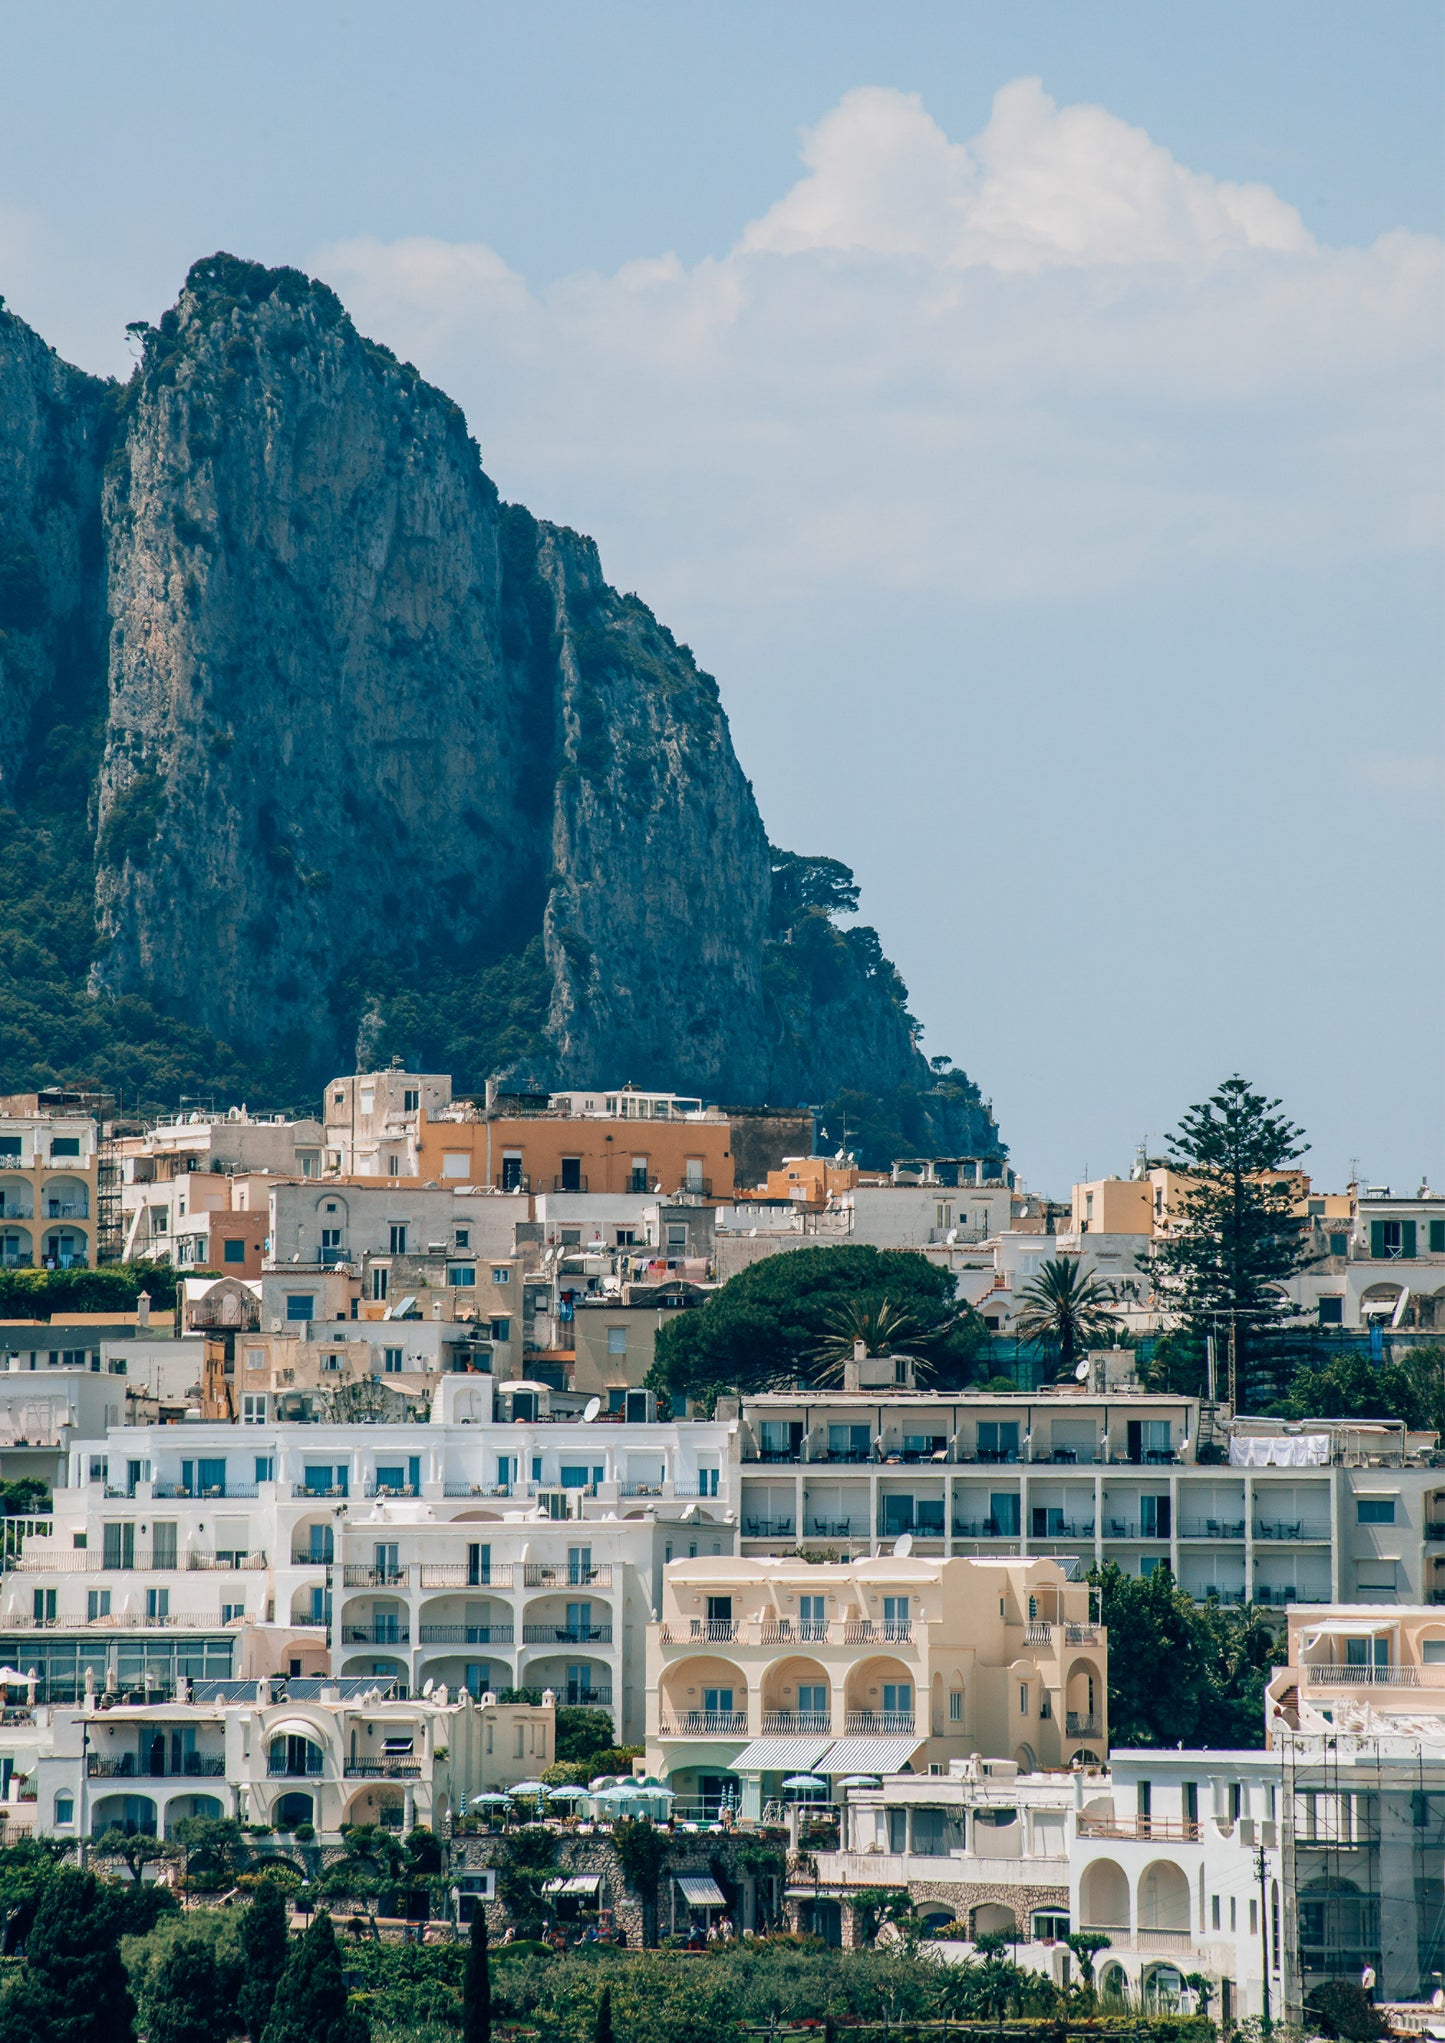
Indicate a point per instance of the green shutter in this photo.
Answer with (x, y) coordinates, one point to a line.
(1437, 1237)
(1407, 1237)
(1377, 1239)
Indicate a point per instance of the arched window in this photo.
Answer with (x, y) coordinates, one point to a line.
(64, 1810)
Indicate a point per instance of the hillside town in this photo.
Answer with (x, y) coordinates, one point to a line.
(384, 1469)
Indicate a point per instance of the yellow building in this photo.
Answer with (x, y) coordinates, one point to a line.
(762, 1668)
(48, 1174)
(1113, 1206)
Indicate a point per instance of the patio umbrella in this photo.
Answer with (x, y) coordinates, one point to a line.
(529, 1788)
(642, 1793)
(479, 1800)
(568, 1794)
(804, 1780)
(860, 1780)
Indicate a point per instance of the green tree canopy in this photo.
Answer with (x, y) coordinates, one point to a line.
(477, 1984)
(310, 2004)
(72, 1988)
(1351, 1386)
(1235, 1238)
(188, 1998)
(1179, 1670)
(264, 1950)
(765, 1327)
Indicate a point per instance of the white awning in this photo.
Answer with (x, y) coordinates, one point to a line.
(868, 1755)
(779, 1755)
(295, 1727)
(700, 1892)
(1349, 1628)
(578, 1883)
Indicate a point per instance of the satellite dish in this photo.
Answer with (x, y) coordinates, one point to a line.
(590, 1411)
(903, 1545)
(1081, 1372)
(428, 1685)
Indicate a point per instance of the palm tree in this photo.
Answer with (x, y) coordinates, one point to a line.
(1065, 1306)
(881, 1326)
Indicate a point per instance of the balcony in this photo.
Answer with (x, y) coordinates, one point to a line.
(722, 1631)
(314, 1494)
(573, 1182)
(282, 1769)
(356, 1575)
(577, 1695)
(308, 1557)
(375, 1635)
(1080, 1635)
(796, 1720)
(1186, 1831)
(1298, 1528)
(868, 1632)
(211, 1491)
(464, 1634)
(1211, 1528)
(566, 1635)
(874, 1721)
(706, 1724)
(193, 1765)
(1333, 1675)
(225, 1563)
(461, 1575)
(1036, 1634)
(382, 1769)
(837, 1528)
(565, 1575)
(768, 1528)
(486, 1489)
(1079, 1725)
(782, 1631)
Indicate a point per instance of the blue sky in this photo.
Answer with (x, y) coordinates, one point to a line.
(1047, 470)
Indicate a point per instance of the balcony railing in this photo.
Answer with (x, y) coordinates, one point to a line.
(375, 1489)
(125, 1620)
(785, 1631)
(706, 1724)
(768, 1528)
(867, 1631)
(307, 1557)
(565, 1575)
(1082, 1725)
(211, 1491)
(486, 1489)
(464, 1634)
(1036, 1634)
(225, 1563)
(1186, 1831)
(1298, 1528)
(577, 1696)
(1332, 1675)
(126, 1766)
(1211, 1528)
(1080, 1635)
(309, 1492)
(796, 1720)
(461, 1575)
(837, 1528)
(357, 1575)
(383, 1769)
(878, 1720)
(566, 1635)
(376, 1635)
(719, 1630)
(281, 1769)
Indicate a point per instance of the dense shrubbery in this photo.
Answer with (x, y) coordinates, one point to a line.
(51, 1294)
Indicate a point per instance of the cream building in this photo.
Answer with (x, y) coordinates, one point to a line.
(48, 1177)
(758, 1669)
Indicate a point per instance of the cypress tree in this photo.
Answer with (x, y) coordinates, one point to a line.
(264, 1951)
(310, 2004)
(477, 1984)
(603, 2031)
(185, 2002)
(73, 1987)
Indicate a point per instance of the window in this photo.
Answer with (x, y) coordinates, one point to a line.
(233, 1251)
(1023, 1698)
(501, 1276)
(331, 1363)
(617, 1340)
(955, 1706)
(677, 1238)
(898, 1699)
(1374, 1510)
(158, 1603)
(501, 1330)
(255, 1358)
(65, 1145)
(397, 1232)
(1214, 1910)
(263, 1468)
(391, 1359)
(1003, 1514)
(638, 1179)
(253, 1409)
(232, 1613)
(9, 1148)
(998, 1440)
(511, 1170)
(368, 1099)
(1437, 1237)
(1154, 1517)
(571, 1179)
(97, 1604)
(1332, 1312)
(378, 1284)
(393, 1166)
(1050, 1929)
(456, 1163)
(1392, 1238)
(1339, 1244)
(64, 1809)
(461, 1276)
(300, 1305)
(410, 1099)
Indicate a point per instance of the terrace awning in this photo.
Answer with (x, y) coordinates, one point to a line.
(700, 1892)
(780, 1755)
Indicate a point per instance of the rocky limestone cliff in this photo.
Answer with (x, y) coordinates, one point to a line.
(388, 767)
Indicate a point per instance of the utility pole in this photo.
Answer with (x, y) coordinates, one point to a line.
(1262, 1868)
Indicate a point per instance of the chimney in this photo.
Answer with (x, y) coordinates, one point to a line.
(143, 1312)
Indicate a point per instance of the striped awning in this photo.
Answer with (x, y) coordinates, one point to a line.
(700, 1892)
(867, 1755)
(579, 1883)
(779, 1755)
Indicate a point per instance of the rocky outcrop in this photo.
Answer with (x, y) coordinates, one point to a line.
(384, 755)
(53, 436)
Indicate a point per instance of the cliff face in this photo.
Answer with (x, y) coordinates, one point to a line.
(387, 758)
(52, 444)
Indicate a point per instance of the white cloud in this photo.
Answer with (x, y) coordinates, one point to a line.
(1049, 361)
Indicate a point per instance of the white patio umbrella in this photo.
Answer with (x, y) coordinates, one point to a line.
(805, 1781)
(530, 1788)
(478, 1801)
(859, 1780)
(568, 1794)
